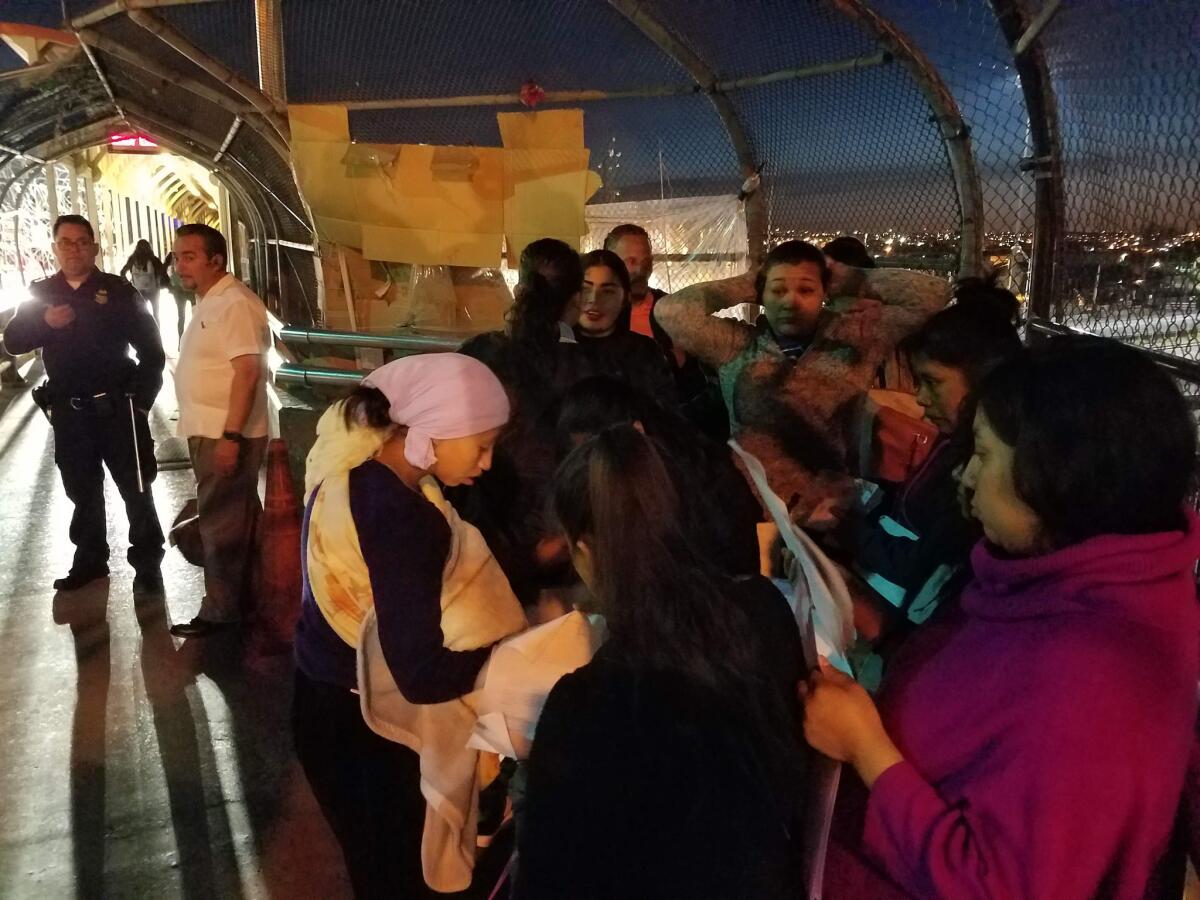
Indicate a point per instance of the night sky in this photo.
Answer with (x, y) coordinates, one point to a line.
(853, 150)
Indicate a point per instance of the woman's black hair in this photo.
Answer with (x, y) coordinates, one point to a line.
(665, 606)
(721, 503)
(143, 252)
(367, 406)
(595, 404)
(616, 265)
(975, 334)
(849, 251)
(611, 261)
(791, 253)
(550, 276)
(1102, 439)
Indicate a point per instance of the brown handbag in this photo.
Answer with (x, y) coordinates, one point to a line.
(902, 444)
(185, 534)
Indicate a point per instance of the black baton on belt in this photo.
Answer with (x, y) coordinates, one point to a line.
(137, 454)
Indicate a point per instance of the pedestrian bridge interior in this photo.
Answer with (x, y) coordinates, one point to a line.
(1052, 142)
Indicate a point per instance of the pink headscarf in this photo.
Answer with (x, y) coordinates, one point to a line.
(440, 396)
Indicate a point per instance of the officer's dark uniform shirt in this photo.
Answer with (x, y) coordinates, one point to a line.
(91, 355)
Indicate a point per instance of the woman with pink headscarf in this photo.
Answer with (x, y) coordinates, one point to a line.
(374, 539)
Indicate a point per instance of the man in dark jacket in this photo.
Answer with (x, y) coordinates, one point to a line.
(98, 398)
(699, 398)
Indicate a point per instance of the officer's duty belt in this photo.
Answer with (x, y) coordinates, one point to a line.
(78, 403)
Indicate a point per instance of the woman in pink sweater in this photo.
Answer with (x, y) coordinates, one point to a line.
(1032, 742)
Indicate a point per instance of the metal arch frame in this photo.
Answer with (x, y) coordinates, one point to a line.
(269, 109)
(93, 133)
(262, 244)
(135, 115)
(956, 137)
(120, 52)
(116, 7)
(13, 153)
(16, 179)
(240, 191)
(264, 192)
(1049, 199)
(88, 135)
(100, 74)
(58, 147)
(641, 17)
(157, 123)
(204, 141)
(88, 110)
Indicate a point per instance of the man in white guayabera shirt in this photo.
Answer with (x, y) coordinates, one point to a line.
(220, 380)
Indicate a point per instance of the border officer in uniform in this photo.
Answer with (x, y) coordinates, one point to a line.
(98, 398)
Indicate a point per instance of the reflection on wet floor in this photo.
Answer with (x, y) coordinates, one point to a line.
(131, 764)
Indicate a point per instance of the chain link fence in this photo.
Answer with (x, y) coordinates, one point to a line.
(1127, 78)
(842, 152)
(962, 40)
(847, 149)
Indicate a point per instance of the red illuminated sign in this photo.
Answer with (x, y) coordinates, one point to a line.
(131, 142)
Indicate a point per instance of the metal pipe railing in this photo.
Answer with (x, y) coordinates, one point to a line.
(413, 343)
(291, 373)
(1184, 369)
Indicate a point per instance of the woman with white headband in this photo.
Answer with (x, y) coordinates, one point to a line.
(375, 539)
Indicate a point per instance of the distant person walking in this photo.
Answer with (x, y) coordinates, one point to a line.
(183, 297)
(147, 273)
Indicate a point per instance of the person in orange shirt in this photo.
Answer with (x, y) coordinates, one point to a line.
(632, 244)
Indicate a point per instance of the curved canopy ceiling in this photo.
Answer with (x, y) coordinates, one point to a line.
(946, 116)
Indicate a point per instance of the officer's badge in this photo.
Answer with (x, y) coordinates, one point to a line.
(101, 296)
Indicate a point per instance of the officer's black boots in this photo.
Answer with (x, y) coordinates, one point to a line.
(148, 581)
(77, 578)
(199, 628)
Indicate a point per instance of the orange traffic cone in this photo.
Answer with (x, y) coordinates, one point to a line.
(278, 576)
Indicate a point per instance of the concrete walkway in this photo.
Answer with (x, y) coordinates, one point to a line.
(132, 764)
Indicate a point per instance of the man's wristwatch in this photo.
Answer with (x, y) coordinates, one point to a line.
(236, 436)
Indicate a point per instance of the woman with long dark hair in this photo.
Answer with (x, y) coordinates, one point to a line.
(147, 273)
(666, 767)
(1033, 741)
(725, 511)
(605, 337)
(911, 551)
(537, 360)
(530, 356)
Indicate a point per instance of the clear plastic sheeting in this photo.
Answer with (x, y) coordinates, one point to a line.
(694, 238)
(458, 299)
(386, 298)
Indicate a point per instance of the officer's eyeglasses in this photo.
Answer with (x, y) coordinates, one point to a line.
(81, 244)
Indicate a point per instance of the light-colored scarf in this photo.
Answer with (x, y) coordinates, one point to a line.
(440, 396)
(337, 572)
